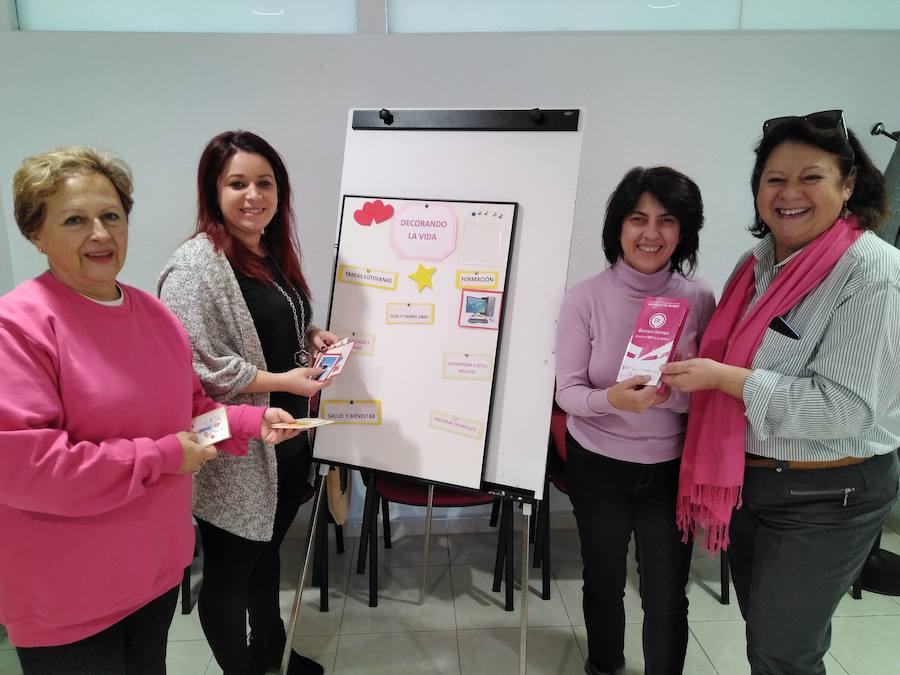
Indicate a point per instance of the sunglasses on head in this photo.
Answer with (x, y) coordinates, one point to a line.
(826, 120)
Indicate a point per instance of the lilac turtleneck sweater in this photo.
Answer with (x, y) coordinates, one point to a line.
(594, 326)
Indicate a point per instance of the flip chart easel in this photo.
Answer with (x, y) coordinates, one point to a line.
(527, 157)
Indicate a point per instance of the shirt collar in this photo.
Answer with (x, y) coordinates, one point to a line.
(764, 252)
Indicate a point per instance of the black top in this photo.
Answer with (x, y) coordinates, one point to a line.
(274, 322)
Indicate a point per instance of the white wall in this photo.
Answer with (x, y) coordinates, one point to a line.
(6, 273)
(692, 100)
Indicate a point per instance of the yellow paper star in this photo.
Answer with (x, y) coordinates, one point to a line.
(422, 277)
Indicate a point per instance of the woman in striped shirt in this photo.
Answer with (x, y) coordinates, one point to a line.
(795, 417)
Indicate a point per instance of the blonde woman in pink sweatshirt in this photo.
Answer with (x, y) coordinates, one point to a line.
(96, 457)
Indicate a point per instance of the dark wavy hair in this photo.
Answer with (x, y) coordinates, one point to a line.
(869, 198)
(279, 238)
(677, 193)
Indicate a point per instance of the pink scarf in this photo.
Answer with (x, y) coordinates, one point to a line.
(712, 467)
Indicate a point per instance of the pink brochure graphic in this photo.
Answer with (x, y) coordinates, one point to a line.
(654, 338)
(424, 231)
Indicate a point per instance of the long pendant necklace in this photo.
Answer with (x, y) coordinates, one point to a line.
(301, 357)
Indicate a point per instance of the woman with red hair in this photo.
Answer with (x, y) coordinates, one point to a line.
(238, 289)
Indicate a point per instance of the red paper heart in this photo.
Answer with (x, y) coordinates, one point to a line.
(376, 211)
(362, 216)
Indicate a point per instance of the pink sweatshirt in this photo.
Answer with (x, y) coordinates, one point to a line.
(595, 324)
(94, 521)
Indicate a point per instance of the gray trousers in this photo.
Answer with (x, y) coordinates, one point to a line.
(797, 545)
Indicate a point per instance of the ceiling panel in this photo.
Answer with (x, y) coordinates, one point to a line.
(449, 16)
(190, 16)
(821, 15)
(440, 16)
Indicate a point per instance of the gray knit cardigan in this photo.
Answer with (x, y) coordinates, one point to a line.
(237, 494)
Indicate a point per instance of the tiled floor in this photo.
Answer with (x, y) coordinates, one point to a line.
(463, 629)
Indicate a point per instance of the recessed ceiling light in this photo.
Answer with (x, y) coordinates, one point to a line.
(262, 12)
(663, 5)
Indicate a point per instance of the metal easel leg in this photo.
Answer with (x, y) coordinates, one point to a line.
(370, 515)
(510, 563)
(427, 537)
(502, 546)
(298, 594)
(523, 639)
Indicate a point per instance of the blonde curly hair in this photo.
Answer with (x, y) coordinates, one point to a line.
(41, 176)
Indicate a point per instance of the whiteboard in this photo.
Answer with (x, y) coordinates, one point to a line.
(419, 287)
(538, 170)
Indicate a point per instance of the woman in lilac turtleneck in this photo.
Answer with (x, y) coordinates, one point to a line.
(624, 440)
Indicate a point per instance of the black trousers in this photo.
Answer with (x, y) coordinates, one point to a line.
(136, 645)
(797, 544)
(612, 499)
(241, 577)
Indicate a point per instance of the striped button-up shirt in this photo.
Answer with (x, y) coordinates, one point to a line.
(834, 391)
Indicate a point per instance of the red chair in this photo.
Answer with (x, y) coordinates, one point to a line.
(387, 488)
(556, 474)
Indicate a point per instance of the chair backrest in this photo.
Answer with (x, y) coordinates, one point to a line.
(414, 492)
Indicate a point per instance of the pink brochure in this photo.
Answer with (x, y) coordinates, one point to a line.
(655, 336)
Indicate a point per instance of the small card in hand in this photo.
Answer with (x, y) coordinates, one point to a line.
(302, 423)
(334, 358)
(211, 427)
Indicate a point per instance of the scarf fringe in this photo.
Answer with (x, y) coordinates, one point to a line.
(708, 507)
